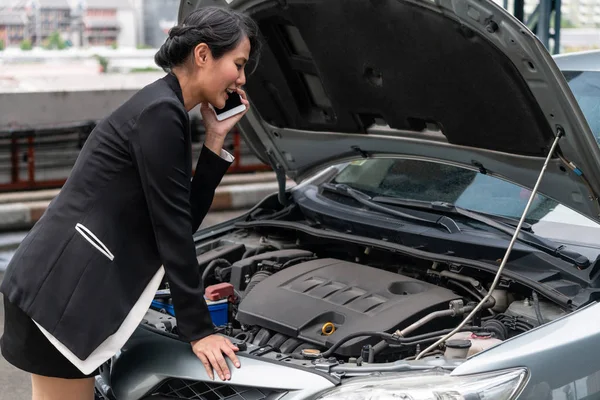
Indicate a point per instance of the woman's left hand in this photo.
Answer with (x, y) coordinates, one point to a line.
(210, 351)
(216, 130)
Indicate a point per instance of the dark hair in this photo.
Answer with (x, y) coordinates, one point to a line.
(221, 29)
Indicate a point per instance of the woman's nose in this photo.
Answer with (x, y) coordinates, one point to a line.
(241, 80)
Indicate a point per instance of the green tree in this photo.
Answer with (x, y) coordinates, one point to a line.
(2, 44)
(114, 45)
(55, 41)
(26, 45)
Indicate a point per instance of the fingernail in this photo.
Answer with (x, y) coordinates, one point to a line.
(237, 365)
(228, 377)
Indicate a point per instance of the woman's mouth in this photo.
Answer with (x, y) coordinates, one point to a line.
(229, 91)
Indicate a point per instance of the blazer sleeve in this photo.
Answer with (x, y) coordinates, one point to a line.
(158, 147)
(210, 169)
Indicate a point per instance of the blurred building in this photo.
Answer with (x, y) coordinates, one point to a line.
(83, 22)
(12, 27)
(101, 25)
(107, 22)
(40, 18)
(158, 17)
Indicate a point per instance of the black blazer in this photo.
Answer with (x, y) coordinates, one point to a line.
(129, 206)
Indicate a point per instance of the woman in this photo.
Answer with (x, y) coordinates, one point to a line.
(83, 278)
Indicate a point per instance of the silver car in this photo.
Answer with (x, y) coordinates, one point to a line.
(443, 240)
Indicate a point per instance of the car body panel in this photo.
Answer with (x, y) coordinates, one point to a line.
(149, 358)
(561, 356)
(580, 61)
(528, 66)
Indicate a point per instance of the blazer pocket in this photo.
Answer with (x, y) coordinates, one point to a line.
(94, 241)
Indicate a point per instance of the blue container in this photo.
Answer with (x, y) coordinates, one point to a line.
(218, 310)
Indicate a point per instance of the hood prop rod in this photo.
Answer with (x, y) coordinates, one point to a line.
(281, 178)
(483, 301)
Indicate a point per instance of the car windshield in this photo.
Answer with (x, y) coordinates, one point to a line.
(586, 88)
(431, 181)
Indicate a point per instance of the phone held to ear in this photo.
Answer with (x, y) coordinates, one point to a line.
(233, 106)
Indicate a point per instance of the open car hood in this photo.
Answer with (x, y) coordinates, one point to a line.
(460, 81)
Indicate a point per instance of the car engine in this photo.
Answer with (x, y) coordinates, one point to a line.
(324, 300)
(319, 298)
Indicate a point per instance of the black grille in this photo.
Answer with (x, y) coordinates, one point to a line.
(194, 390)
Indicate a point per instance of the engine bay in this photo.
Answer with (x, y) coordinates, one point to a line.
(307, 298)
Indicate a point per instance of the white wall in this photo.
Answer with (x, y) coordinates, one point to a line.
(128, 24)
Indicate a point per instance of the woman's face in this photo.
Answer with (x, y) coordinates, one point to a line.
(220, 77)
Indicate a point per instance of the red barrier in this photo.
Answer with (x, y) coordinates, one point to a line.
(41, 158)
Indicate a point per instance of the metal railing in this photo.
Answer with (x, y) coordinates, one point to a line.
(42, 157)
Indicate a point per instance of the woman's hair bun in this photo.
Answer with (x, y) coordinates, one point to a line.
(219, 28)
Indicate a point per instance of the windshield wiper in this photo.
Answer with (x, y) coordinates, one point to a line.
(503, 224)
(497, 221)
(447, 223)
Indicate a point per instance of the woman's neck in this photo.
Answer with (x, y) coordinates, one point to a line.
(191, 95)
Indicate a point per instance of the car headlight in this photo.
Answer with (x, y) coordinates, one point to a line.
(435, 385)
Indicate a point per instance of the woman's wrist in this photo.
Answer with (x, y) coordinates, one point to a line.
(214, 143)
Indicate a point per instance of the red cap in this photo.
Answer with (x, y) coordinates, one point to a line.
(219, 291)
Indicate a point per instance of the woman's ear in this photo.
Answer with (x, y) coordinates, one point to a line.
(201, 54)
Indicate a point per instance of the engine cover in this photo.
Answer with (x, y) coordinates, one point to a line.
(299, 300)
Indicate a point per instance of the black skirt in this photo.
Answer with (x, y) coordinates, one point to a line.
(24, 346)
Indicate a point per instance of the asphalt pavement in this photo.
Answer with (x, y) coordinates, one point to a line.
(15, 384)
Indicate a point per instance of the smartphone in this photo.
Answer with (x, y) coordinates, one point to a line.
(233, 106)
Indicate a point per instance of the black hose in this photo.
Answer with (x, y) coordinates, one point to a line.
(523, 326)
(471, 292)
(296, 260)
(339, 343)
(536, 306)
(379, 347)
(389, 336)
(211, 267)
(255, 280)
(253, 252)
(371, 357)
(466, 289)
(420, 339)
(249, 252)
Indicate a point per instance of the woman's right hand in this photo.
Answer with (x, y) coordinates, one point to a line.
(210, 351)
(216, 130)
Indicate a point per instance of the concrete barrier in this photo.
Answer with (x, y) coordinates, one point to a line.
(22, 210)
(38, 109)
(61, 100)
